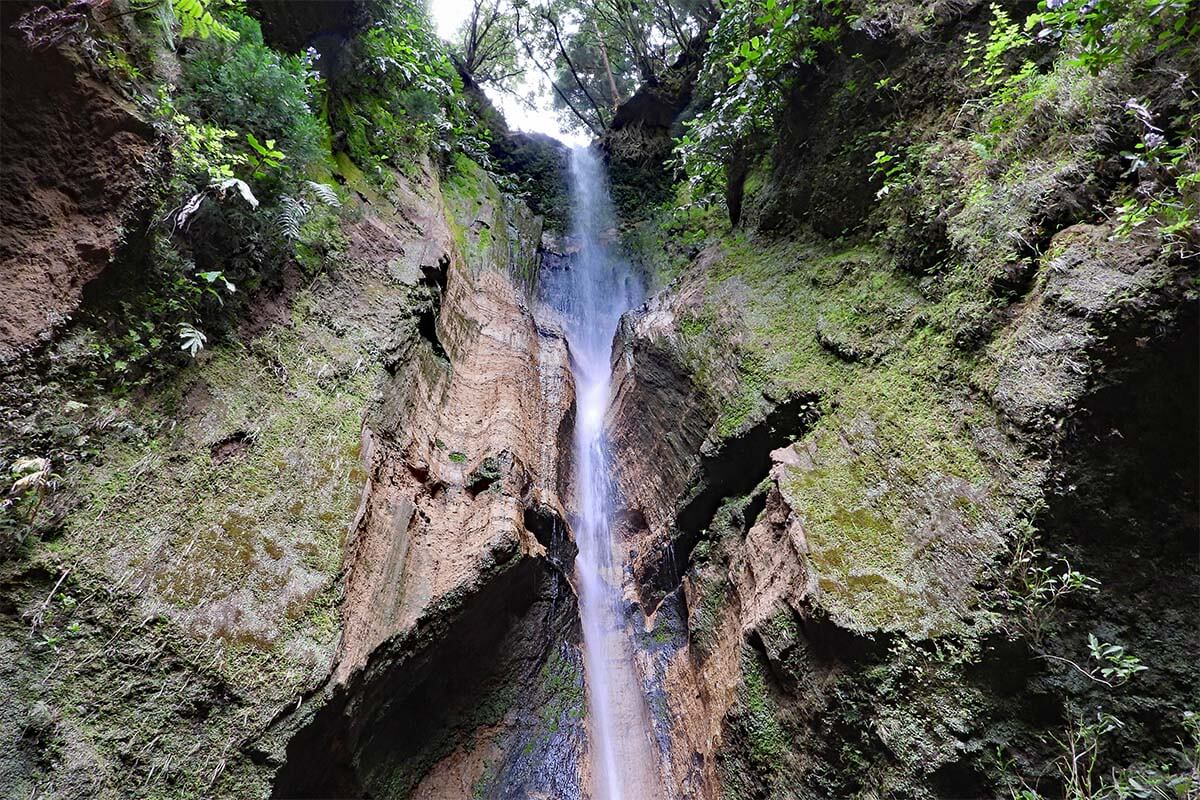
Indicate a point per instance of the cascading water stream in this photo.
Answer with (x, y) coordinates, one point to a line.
(593, 294)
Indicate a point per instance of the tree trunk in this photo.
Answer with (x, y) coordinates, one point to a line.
(612, 84)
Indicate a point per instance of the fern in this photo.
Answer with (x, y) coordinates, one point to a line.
(191, 340)
(324, 193)
(194, 17)
(292, 213)
(196, 20)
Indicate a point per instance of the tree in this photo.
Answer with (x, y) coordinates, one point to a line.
(487, 47)
(597, 53)
(593, 53)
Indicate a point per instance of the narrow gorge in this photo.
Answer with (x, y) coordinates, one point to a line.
(593, 292)
(624, 400)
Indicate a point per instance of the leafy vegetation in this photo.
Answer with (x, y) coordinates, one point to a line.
(757, 51)
(196, 19)
(247, 188)
(1099, 36)
(249, 131)
(402, 98)
(1107, 32)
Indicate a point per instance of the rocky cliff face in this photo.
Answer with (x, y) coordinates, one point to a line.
(890, 450)
(411, 567)
(69, 196)
(837, 456)
(457, 608)
(345, 518)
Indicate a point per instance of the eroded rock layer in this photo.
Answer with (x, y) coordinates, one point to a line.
(458, 615)
(76, 160)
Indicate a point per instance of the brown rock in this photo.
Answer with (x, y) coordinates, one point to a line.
(72, 157)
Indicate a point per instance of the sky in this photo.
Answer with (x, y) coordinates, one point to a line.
(449, 15)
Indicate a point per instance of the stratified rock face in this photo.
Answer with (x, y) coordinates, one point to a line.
(463, 444)
(1092, 285)
(454, 671)
(658, 417)
(74, 156)
(356, 509)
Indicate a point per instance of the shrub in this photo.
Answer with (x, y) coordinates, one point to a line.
(249, 87)
(402, 95)
(754, 52)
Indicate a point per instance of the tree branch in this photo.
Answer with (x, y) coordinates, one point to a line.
(571, 66)
(553, 84)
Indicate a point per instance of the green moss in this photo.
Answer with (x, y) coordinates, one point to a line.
(758, 716)
(560, 692)
(251, 498)
(746, 398)
(779, 289)
(705, 619)
(758, 757)
(480, 217)
(885, 451)
(356, 179)
(665, 243)
(487, 474)
(465, 180)
(885, 444)
(457, 457)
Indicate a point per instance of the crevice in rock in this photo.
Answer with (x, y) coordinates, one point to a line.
(744, 461)
(427, 328)
(754, 507)
(551, 532)
(489, 474)
(231, 446)
(421, 693)
(741, 464)
(959, 779)
(828, 642)
(431, 289)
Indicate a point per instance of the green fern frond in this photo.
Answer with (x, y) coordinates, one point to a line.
(196, 20)
(291, 216)
(325, 193)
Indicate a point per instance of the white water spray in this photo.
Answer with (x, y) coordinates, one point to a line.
(593, 293)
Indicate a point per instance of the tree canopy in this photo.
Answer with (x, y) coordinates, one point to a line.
(593, 55)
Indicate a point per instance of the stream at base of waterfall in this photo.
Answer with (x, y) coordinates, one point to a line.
(593, 293)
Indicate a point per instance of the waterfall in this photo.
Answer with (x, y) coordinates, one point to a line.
(593, 293)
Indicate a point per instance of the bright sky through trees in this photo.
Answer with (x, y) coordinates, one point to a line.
(449, 15)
